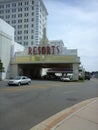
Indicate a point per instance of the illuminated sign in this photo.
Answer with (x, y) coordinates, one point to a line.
(43, 50)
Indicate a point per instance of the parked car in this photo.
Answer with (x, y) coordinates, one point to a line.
(65, 78)
(87, 77)
(19, 80)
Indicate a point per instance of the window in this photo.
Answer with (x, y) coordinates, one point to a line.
(32, 31)
(32, 19)
(20, 4)
(1, 11)
(13, 10)
(26, 26)
(19, 26)
(27, 2)
(32, 37)
(19, 32)
(25, 31)
(13, 21)
(1, 6)
(19, 9)
(14, 26)
(20, 21)
(19, 15)
(25, 37)
(32, 25)
(8, 16)
(7, 5)
(13, 4)
(13, 15)
(32, 2)
(8, 11)
(32, 43)
(1, 17)
(26, 14)
(26, 20)
(32, 13)
(25, 43)
(19, 37)
(26, 9)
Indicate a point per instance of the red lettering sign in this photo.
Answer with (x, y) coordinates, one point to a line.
(34, 50)
(53, 49)
(48, 50)
(39, 50)
(43, 50)
(30, 51)
(58, 50)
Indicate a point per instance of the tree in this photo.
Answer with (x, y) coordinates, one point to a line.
(1, 67)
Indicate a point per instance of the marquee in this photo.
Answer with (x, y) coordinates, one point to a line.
(43, 50)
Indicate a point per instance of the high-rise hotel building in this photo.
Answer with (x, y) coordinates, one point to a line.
(28, 17)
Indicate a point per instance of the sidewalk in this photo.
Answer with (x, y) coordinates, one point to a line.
(82, 116)
(85, 118)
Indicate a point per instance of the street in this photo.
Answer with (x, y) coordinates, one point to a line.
(24, 107)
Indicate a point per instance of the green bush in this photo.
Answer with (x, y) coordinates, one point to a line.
(1, 67)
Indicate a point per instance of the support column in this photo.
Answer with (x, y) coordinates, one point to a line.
(13, 71)
(75, 71)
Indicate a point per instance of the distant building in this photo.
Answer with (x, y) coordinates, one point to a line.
(28, 17)
(63, 49)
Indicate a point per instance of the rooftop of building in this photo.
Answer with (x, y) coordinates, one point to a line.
(4, 1)
(6, 28)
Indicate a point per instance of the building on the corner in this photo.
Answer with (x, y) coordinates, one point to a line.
(7, 46)
(6, 42)
(28, 17)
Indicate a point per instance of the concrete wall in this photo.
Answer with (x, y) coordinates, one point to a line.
(5, 53)
(13, 71)
(75, 71)
(6, 41)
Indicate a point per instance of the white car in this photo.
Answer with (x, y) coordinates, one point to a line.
(65, 78)
(19, 80)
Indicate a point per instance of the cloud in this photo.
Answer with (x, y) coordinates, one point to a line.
(76, 23)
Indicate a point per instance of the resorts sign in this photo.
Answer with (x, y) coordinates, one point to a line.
(34, 50)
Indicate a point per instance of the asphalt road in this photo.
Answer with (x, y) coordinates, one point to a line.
(23, 107)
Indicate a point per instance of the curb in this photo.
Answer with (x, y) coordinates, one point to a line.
(55, 119)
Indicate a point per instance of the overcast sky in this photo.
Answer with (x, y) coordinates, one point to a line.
(76, 23)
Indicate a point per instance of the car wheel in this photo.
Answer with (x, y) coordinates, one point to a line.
(29, 82)
(19, 84)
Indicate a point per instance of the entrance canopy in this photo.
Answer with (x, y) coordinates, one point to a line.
(46, 59)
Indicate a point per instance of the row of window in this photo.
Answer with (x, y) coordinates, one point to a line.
(14, 4)
(19, 21)
(14, 10)
(14, 15)
(25, 37)
(25, 43)
(25, 26)
(26, 32)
